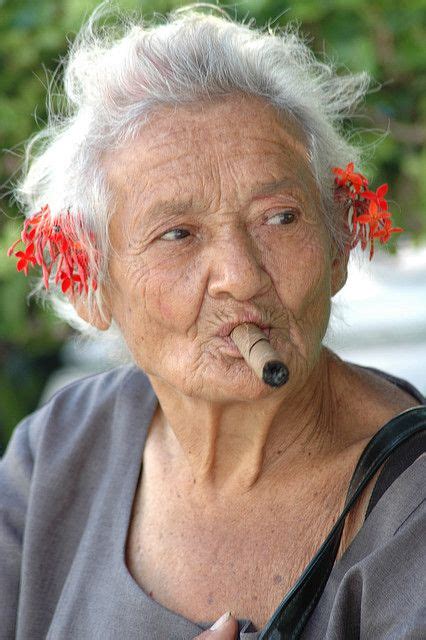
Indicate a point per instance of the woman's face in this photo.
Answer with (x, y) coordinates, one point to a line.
(217, 222)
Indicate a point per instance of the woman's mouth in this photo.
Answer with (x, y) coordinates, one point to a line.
(228, 346)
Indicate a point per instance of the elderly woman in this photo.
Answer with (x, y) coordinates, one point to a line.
(190, 190)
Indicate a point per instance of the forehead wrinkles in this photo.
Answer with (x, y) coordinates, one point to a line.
(193, 144)
(205, 166)
(250, 137)
(235, 119)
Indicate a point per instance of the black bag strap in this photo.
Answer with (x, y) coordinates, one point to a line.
(289, 619)
(396, 464)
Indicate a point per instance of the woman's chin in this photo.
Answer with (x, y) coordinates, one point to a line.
(236, 382)
(220, 377)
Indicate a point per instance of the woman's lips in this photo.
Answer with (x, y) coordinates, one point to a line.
(227, 345)
(227, 328)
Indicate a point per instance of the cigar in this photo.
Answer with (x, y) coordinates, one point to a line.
(257, 351)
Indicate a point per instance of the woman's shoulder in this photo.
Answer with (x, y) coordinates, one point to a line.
(89, 408)
(388, 387)
(378, 583)
(369, 398)
(99, 386)
(98, 389)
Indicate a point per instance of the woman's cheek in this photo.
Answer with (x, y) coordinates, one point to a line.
(174, 294)
(298, 267)
(286, 257)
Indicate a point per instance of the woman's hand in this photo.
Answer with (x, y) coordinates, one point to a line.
(224, 629)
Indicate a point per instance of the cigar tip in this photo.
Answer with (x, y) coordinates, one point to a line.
(275, 373)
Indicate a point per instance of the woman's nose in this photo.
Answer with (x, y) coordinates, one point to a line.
(236, 268)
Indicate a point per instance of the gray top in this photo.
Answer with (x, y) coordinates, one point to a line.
(67, 483)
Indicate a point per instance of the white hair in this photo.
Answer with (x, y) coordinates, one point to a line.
(115, 76)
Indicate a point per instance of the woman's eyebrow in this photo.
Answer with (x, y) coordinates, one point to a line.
(169, 208)
(269, 188)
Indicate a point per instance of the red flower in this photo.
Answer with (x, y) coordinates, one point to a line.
(367, 210)
(385, 233)
(67, 282)
(58, 246)
(373, 217)
(26, 259)
(347, 177)
(378, 196)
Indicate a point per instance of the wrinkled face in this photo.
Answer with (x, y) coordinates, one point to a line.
(218, 221)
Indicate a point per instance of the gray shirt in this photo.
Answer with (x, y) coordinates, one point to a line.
(67, 483)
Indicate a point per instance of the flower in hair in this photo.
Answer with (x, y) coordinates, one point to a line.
(58, 244)
(368, 215)
(349, 177)
(25, 259)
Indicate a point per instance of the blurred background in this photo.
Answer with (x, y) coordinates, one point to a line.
(379, 319)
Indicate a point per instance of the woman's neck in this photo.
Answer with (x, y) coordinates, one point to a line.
(234, 448)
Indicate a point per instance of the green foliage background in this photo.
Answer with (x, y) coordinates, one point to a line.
(384, 37)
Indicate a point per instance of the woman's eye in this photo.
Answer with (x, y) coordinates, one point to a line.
(283, 217)
(175, 234)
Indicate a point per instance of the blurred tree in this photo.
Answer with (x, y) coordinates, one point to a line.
(380, 36)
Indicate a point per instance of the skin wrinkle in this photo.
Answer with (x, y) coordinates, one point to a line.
(289, 140)
(237, 452)
(180, 293)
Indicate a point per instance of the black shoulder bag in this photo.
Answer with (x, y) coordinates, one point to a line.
(289, 619)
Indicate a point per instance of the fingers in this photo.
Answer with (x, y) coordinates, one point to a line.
(225, 628)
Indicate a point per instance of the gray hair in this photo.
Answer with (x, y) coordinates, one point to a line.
(116, 76)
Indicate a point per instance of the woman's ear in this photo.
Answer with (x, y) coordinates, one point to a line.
(339, 269)
(92, 313)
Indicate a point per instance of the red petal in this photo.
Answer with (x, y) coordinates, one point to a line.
(372, 207)
(12, 248)
(35, 219)
(21, 265)
(364, 219)
(382, 190)
(46, 274)
(370, 195)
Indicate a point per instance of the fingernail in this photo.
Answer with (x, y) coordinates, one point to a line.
(221, 621)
